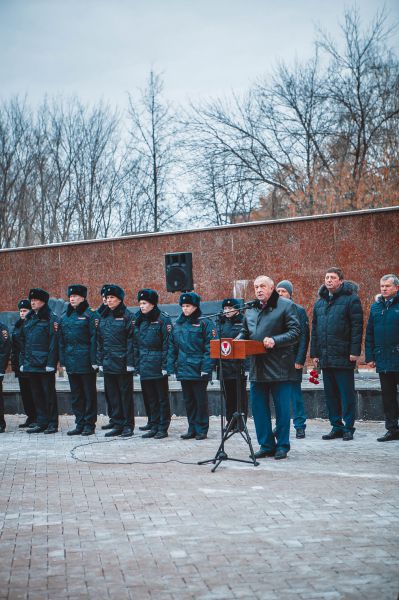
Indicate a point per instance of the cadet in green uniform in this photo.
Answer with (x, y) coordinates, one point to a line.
(24, 306)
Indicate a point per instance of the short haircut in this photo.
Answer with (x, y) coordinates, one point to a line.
(268, 279)
(395, 278)
(337, 271)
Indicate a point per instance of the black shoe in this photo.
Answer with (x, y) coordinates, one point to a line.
(389, 436)
(280, 454)
(300, 433)
(75, 431)
(263, 454)
(88, 431)
(37, 429)
(127, 432)
(50, 429)
(160, 435)
(113, 432)
(33, 424)
(2, 428)
(338, 433)
(348, 435)
(145, 427)
(150, 434)
(187, 436)
(108, 426)
(201, 436)
(27, 423)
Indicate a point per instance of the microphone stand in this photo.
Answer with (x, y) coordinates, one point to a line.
(237, 422)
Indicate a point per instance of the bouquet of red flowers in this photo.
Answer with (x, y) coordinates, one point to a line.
(314, 377)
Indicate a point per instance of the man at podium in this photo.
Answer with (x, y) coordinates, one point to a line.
(274, 321)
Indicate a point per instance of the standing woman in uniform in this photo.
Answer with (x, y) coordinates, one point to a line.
(115, 357)
(24, 306)
(189, 358)
(151, 341)
(5, 349)
(78, 349)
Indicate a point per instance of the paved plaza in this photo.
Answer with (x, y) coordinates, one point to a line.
(321, 525)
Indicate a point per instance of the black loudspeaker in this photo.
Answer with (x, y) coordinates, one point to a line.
(179, 272)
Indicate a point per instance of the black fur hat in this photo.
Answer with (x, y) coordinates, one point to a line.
(233, 302)
(79, 290)
(39, 294)
(149, 295)
(104, 287)
(25, 303)
(190, 298)
(113, 290)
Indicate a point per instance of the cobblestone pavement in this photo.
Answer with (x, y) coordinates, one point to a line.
(321, 525)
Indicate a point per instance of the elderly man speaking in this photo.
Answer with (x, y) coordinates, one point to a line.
(275, 322)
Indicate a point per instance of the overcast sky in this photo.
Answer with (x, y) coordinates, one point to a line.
(105, 48)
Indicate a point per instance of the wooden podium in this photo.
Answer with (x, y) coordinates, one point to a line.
(230, 349)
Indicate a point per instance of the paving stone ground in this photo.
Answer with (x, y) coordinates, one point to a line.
(321, 525)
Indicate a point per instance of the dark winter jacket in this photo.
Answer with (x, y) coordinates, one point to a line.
(78, 338)
(337, 327)
(151, 342)
(301, 347)
(115, 335)
(5, 347)
(279, 320)
(39, 341)
(16, 348)
(382, 335)
(189, 347)
(230, 328)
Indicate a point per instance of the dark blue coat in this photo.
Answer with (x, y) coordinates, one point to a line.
(382, 335)
(189, 347)
(78, 339)
(16, 347)
(151, 342)
(337, 327)
(5, 347)
(115, 336)
(39, 341)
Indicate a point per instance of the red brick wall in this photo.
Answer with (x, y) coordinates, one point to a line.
(364, 244)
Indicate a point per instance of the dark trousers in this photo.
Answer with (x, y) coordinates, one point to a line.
(2, 419)
(84, 399)
(260, 400)
(196, 401)
(156, 397)
(298, 406)
(27, 398)
(120, 390)
(44, 398)
(339, 391)
(389, 390)
(230, 395)
(108, 402)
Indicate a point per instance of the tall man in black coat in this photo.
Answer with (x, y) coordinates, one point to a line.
(382, 350)
(275, 323)
(78, 348)
(285, 289)
(337, 328)
(38, 358)
(5, 349)
(24, 307)
(151, 342)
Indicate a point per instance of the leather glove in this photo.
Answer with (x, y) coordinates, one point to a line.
(50, 369)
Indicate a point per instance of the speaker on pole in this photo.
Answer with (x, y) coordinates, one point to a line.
(179, 272)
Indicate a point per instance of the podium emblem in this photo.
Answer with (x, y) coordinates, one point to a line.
(226, 348)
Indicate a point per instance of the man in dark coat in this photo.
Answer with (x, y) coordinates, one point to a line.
(275, 323)
(5, 350)
(103, 306)
(382, 350)
(337, 328)
(285, 289)
(115, 357)
(230, 325)
(151, 342)
(78, 349)
(24, 307)
(189, 358)
(38, 358)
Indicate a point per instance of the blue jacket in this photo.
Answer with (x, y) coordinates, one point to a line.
(5, 347)
(78, 339)
(382, 335)
(151, 342)
(39, 341)
(189, 347)
(115, 336)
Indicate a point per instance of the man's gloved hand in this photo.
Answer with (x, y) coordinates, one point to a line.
(50, 369)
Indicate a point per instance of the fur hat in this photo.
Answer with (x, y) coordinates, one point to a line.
(78, 290)
(39, 294)
(190, 298)
(113, 290)
(232, 302)
(148, 295)
(104, 287)
(24, 304)
(287, 285)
